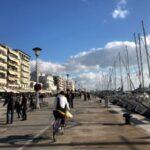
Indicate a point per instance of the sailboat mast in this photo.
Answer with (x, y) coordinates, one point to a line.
(137, 56)
(141, 61)
(121, 81)
(115, 75)
(128, 69)
(145, 44)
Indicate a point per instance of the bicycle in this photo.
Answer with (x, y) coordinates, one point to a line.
(57, 127)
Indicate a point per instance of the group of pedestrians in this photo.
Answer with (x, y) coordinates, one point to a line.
(86, 96)
(18, 103)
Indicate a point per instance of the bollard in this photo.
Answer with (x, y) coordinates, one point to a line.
(127, 117)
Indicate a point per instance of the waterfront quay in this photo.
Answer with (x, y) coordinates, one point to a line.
(93, 126)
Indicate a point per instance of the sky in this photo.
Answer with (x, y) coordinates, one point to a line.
(76, 36)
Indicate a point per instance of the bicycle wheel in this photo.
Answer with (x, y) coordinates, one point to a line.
(56, 126)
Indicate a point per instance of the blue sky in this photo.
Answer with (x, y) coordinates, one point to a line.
(63, 28)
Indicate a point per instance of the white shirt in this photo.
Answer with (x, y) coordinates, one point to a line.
(63, 102)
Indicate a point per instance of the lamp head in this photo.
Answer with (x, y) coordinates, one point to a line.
(37, 51)
(67, 75)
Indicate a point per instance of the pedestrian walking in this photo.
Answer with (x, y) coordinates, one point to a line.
(85, 96)
(68, 96)
(9, 101)
(71, 96)
(88, 96)
(32, 104)
(41, 97)
(24, 107)
(18, 106)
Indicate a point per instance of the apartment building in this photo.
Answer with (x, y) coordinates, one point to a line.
(14, 68)
(71, 85)
(60, 82)
(48, 82)
(3, 66)
(24, 69)
(13, 64)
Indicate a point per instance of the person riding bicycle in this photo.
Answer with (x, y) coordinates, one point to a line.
(61, 105)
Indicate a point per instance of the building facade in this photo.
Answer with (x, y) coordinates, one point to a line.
(71, 85)
(60, 83)
(14, 68)
(3, 66)
(63, 84)
(24, 69)
(47, 82)
(13, 64)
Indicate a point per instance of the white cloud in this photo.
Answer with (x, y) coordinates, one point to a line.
(120, 11)
(85, 65)
(47, 67)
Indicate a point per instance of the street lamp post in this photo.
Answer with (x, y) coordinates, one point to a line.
(75, 85)
(37, 51)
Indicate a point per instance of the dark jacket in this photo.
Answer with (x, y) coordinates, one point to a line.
(24, 102)
(10, 102)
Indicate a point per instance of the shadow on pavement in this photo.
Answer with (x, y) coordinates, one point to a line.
(100, 123)
(12, 139)
(51, 144)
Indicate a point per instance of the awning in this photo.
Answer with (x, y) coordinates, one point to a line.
(45, 91)
(10, 90)
(26, 90)
(2, 90)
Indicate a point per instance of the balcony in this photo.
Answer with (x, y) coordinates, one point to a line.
(24, 81)
(2, 52)
(25, 76)
(11, 78)
(13, 59)
(25, 70)
(27, 65)
(4, 61)
(12, 72)
(13, 53)
(3, 81)
(3, 65)
(3, 57)
(3, 71)
(12, 62)
(13, 65)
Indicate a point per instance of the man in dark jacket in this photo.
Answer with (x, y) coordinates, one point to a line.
(24, 107)
(10, 108)
(71, 99)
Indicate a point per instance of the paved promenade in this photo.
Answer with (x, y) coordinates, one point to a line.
(93, 127)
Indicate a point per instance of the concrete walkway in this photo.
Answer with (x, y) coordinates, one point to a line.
(93, 127)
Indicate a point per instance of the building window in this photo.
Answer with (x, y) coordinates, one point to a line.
(2, 68)
(12, 68)
(2, 76)
(3, 53)
(2, 60)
